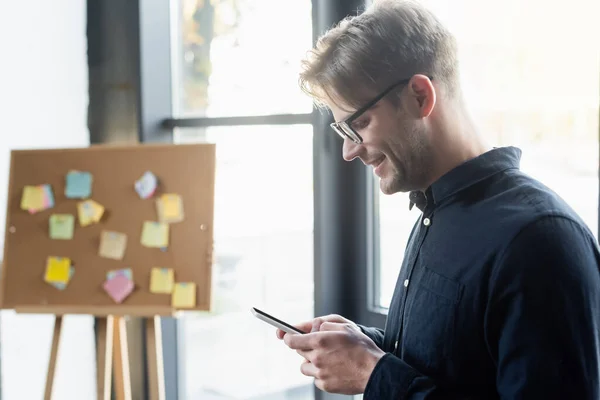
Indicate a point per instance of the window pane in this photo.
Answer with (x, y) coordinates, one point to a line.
(264, 258)
(241, 57)
(535, 87)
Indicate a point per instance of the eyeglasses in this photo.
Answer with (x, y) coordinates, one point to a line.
(344, 128)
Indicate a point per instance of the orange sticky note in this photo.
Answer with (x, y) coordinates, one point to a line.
(112, 245)
(161, 280)
(184, 295)
(58, 270)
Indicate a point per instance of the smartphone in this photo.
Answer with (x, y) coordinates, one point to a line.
(277, 323)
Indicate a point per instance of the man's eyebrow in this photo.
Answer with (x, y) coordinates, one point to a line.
(367, 111)
(344, 116)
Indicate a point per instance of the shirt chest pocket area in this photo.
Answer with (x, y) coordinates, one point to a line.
(430, 321)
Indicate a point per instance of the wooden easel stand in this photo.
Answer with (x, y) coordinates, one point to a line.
(112, 358)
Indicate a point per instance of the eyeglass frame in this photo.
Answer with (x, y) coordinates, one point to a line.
(351, 134)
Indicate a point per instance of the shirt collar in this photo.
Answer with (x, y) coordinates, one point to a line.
(467, 174)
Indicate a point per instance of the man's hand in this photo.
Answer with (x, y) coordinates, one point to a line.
(314, 325)
(338, 355)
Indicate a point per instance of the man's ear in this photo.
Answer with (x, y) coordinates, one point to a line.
(422, 96)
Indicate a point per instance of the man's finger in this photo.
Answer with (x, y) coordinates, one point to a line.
(333, 326)
(299, 342)
(320, 384)
(306, 354)
(305, 326)
(307, 368)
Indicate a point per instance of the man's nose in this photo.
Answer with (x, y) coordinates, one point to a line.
(350, 150)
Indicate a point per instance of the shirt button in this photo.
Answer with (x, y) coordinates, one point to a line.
(426, 222)
(406, 283)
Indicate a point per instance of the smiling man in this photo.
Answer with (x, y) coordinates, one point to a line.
(498, 295)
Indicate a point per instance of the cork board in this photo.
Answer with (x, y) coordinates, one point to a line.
(186, 170)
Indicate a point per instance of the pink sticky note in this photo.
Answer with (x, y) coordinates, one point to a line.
(119, 287)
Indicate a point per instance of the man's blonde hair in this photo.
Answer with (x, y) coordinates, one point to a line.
(363, 55)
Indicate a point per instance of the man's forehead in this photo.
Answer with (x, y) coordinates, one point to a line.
(339, 110)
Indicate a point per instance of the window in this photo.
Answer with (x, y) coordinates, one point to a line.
(264, 258)
(241, 57)
(263, 195)
(532, 86)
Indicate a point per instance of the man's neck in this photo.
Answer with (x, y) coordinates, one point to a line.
(457, 141)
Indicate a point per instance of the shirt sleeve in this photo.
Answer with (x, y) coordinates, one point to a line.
(542, 324)
(376, 334)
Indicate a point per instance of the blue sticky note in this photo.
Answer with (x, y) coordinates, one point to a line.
(79, 185)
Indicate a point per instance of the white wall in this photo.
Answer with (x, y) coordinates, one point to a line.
(43, 104)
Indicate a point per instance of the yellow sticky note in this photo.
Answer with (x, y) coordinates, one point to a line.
(170, 208)
(33, 198)
(89, 212)
(155, 234)
(184, 295)
(161, 280)
(63, 285)
(58, 270)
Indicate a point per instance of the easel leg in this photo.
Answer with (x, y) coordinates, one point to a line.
(156, 372)
(53, 357)
(121, 360)
(104, 354)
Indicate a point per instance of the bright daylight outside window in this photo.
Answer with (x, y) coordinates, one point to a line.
(231, 59)
(530, 72)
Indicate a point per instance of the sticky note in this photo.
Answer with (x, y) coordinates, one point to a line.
(89, 212)
(170, 208)
(32, 198)
(48, 196)
(126, 272)
(112, 245)
(37, 198)
(63, 285)
(161, 280)
(146, 185)
(155, 234)
(78, 185)
(62, 226)
(184, 295)
(57, 270)
(118, 288)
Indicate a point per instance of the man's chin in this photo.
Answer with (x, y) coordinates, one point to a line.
(389, 187)
(394, 183)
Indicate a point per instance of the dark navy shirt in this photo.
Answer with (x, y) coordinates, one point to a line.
(498, 296)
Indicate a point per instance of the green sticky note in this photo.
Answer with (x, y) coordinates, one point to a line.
(62, 226)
